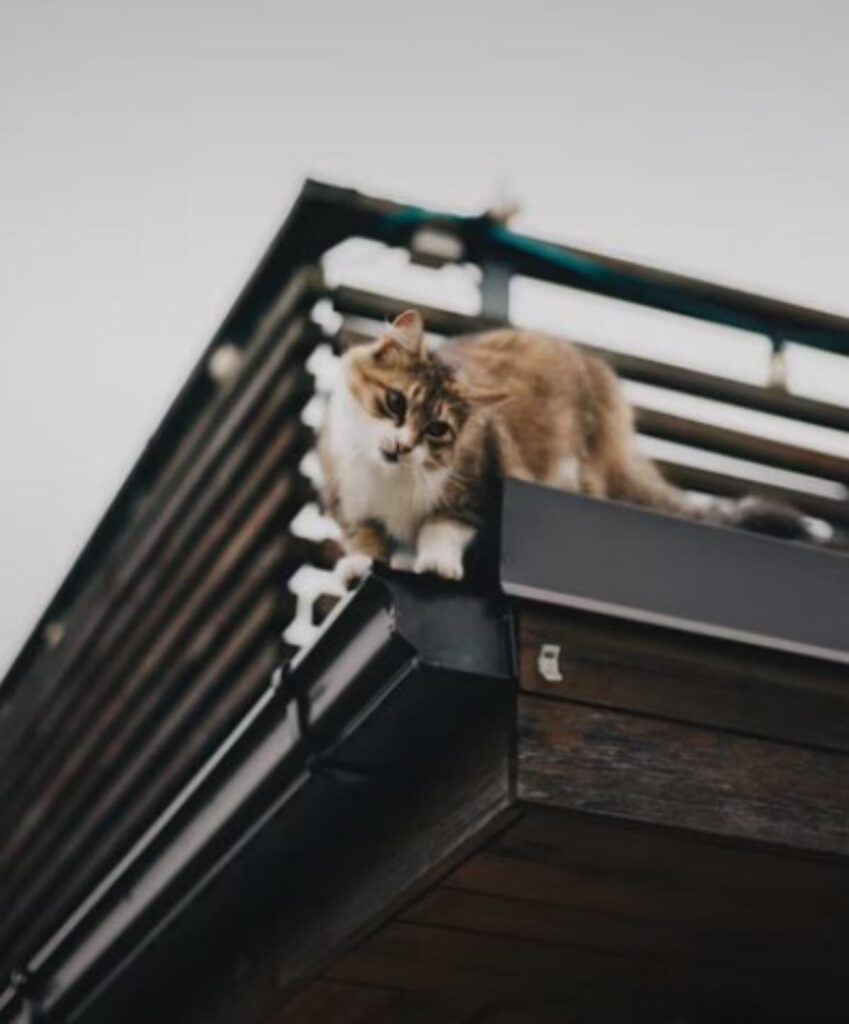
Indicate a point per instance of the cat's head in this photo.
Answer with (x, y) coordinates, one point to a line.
(416, 405)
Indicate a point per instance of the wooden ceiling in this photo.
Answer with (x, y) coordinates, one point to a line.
(564, 917)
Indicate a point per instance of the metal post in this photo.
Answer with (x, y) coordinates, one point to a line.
(495, 291)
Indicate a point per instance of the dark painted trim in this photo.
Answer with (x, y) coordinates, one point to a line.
(630, 563)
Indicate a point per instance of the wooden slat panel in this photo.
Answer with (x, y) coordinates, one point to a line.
(285, 331)
(726, 943)
(173, 632)
(589, 883)
(676, 869)
(130, 555)
(638, 768)
(86, 856)
(690, 679)
(150, 689)
(669, 877)
(167, 624)
(607, 917)
(441, 960)
(175, 548)
(741, 923)
(175, 442)
(163, 708)
(93, 688)
(127, 635)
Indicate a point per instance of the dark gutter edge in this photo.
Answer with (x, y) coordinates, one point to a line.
(332, 697)
(695, 577)
(679, 623)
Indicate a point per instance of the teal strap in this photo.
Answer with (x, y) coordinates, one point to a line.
(599, 278)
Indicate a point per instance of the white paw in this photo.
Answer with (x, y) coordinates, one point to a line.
(351, 568)
(403, 561)
(441, 546)
(444, 562)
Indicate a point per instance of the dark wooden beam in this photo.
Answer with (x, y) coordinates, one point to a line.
(624, 765)
(625, 666)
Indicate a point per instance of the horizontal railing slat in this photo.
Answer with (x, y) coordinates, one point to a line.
(171, 626)
(90, 852)
(133, 628)
(357, 302)
(190, 497)
(741, 445)
(162, 509)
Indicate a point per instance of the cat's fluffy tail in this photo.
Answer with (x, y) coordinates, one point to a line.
(760, 515)
(643, 484)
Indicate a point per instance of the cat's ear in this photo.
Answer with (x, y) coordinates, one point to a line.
(408, 330)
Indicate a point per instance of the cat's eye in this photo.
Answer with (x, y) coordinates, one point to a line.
(396, 403)
(437, 429)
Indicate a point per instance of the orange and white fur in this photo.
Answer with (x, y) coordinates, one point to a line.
(412, 435)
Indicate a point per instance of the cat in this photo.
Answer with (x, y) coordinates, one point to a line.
(413, 436)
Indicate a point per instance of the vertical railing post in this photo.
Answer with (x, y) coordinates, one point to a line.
(495, 290)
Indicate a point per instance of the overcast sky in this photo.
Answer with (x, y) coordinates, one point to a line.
(148, 151)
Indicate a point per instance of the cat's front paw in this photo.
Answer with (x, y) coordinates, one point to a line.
(403, 561)
(350, 569)
(446, 563)
(441, 545)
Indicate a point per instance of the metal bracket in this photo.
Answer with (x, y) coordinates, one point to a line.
(548, 663)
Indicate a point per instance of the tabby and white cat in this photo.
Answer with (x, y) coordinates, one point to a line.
(412, 437)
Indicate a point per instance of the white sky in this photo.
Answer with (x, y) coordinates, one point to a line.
(149, 151)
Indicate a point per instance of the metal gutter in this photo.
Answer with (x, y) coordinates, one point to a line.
(630, 563)
(396, 662)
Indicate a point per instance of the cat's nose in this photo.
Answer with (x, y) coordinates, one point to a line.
(398, 452)
(404, 440)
